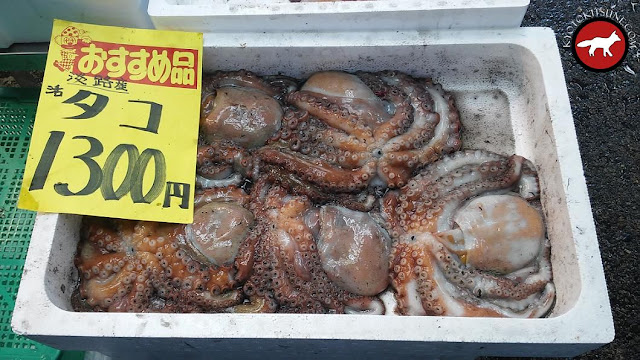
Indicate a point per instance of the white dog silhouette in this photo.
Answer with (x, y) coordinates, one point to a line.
(600, 43)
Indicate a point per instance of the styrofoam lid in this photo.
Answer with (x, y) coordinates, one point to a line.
(216, 16)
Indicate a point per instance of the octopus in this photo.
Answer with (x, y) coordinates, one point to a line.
(321, 196)
(240, 111)
(222, 163)
(343, 133)
(139, 266)
(470, 239)
(288, 274)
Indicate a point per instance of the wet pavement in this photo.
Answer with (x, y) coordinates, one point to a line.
(606, 112)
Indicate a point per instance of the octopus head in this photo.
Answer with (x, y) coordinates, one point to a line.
(349, 91)
(354, 250)
(247, 116)
(217, 231)
(498, 233)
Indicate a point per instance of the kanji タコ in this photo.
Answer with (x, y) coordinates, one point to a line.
(89, 110)
(55, 90)
(116, 65)
(121, 85)
(159, 67)
(137, 66)
(93, 61)
(105, 82)
(77, 79)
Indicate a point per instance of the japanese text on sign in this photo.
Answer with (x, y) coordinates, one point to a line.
(145, 65)
(116, 128)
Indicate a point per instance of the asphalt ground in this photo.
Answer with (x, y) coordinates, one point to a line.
(606, 112)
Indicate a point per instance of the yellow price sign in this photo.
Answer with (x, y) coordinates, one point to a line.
(116, 128)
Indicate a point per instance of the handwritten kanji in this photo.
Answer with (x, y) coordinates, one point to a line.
(121, 85)
(77, 79)
(55, 90)
(179, 190)
(104, 82)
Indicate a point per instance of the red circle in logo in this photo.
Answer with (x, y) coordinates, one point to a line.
(600, 44)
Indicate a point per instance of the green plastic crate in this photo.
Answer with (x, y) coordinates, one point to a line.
(17, 112)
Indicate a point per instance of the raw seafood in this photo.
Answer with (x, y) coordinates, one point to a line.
(485, 257)
(316, 198)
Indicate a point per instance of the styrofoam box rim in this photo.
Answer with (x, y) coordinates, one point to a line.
(282, 15)
(588, 322)
(260, 7)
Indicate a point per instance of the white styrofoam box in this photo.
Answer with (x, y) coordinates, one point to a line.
(281, 15)
(510, 89)
(31, 20)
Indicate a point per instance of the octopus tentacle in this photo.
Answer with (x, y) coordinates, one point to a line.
(417, 278)
(331, 146)
(146, 266)
(222, 194)
(408, 85)
(323, 174)
(311, 129)
(450, 163)
(256, 304)
(309, 136)
(102, 236)
(91, 265)
(283, 84)
(489, 257)
(403, 112)
(221, 164)
(529, 185)
(447, 134)
(434, 206)
(246, 258)
(362, 201)
(396, 169)
(332, 114)
(487, 285)
(436, 126)
(425, 119)
(288, 267)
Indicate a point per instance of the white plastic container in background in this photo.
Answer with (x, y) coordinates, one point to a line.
(510, 89)
(214, 16)
(25, 21)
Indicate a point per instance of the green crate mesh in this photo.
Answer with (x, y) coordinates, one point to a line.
(16, 122)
